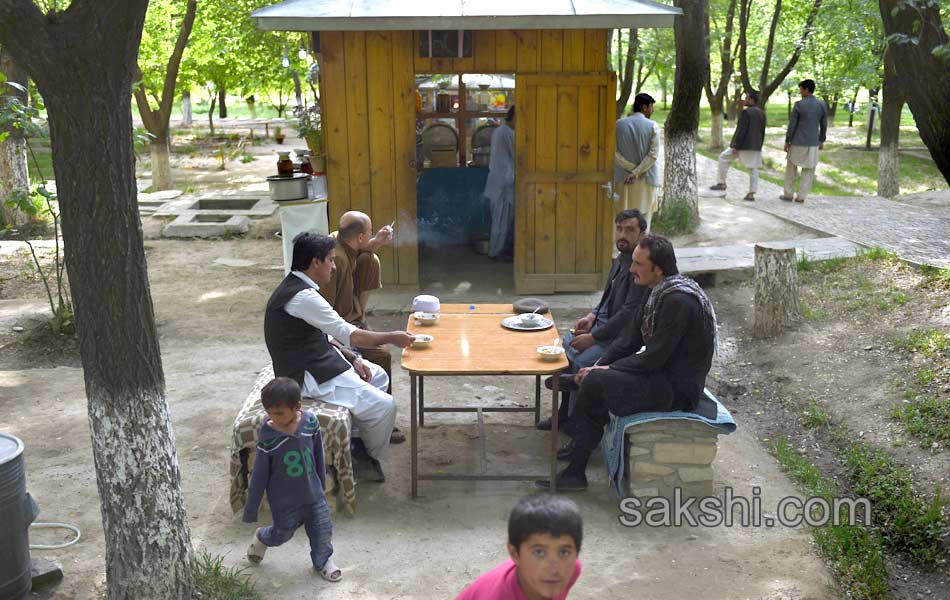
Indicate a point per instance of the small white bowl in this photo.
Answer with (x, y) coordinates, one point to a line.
(529, 318)
(422, 341)
(551, 353)
(426, 318)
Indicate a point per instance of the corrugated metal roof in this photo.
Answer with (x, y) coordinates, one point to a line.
(395, 15)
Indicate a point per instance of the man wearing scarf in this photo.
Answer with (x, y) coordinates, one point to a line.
(658, 364)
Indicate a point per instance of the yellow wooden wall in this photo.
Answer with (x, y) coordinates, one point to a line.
(525, 51)
(368, 94)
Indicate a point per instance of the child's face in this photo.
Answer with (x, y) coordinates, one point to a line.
(283, 416)
(545, 564)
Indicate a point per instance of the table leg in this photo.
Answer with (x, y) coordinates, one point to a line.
(554, 439)
(422, 402)
(413, 449)
(537, 398)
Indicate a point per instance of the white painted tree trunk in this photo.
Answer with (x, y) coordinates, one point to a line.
(679, 175)
(13, 176)
(186, 115)
(776, 291)
(161, 165)
(715, 132)
(888, 171)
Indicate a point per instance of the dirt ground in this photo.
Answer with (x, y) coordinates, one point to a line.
(209, 320)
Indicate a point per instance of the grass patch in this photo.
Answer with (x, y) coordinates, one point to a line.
(908, 523)
(855, 553)
(926, 418)
(813, 314)
(936, 276)
(929, 342)
(214, 580)
(815, 416)
(877, 253)
(675, 217)
(925, 376)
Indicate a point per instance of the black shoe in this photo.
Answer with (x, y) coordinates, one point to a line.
(565, 382)
(565, 483)
(566, 452)
(563, 425)
(397, 437)
(357, 448)
(378, 470)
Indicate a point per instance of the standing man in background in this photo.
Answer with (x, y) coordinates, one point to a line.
(500, 189)
(635, 171)
(746, 145)
(805, 137)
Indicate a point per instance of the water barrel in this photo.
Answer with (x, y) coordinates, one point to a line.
(18, 510)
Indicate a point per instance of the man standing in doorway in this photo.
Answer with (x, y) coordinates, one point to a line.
(805, 137)
(500, 189)
(746, 145)
(635, 170)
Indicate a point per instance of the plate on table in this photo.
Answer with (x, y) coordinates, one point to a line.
(518, 325)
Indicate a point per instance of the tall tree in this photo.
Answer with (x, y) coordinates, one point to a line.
(888, 160)
(717, 97)
(680, 206)
(82, 60)
(921, 48)
(14, 174)
(160, 17)
(634, 65)
(768, 84)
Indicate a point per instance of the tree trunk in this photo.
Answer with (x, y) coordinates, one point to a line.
(680, 195)
(626, 71)
(715, 134)
(923, 73)
(776, 291)
(872, 112)
(83, 62)
(14, 174)
(161, 163)
(252, 106)
(888, 161)
(854, 102)
(298, 93)
(222, 103)
(186, 114)
(214, 99)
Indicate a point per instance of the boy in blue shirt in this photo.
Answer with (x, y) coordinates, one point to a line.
(290, 467)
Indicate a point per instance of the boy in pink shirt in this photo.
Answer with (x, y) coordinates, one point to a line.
(544, 539)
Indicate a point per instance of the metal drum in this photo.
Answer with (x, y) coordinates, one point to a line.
(481, 145)
(18, 510)
(440, 145)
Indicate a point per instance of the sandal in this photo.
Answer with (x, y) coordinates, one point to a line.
(331, 572)
(750, 197)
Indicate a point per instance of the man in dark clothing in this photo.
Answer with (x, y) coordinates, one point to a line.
(659, 362)
(746, 145)
(593, 333)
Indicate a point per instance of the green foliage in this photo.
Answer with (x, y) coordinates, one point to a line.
(925, 375)
(805, 264)
(929, 342)
(855, 553)
(215, 581)
(815, 416)
(878, 253)
(936, 276)
(926, 418)
(675, 217)
(908, 522)
(813, 314)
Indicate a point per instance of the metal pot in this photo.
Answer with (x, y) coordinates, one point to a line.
(288, 188)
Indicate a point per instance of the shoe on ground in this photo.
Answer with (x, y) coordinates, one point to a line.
(397, 437)
(799, 200)
(566, 452)
(565, 483)
(719, 187)
(563, 425)
(565, 381)
(750, 197)
(330, 571)
(785, 198)
(377, 470)
(255, 552)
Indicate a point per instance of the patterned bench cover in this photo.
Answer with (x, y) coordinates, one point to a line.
(335, 427)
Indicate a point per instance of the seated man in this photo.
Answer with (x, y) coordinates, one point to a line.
(594, 332)
(296, 323)
(659, 362)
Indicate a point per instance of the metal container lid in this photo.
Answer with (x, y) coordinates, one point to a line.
(10, 448)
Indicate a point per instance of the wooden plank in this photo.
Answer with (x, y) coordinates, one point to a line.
(565, 177)
(357, 121)
(528, 48)
(404, 108)
(610, 124)
(546, 160)
(506, 51)
(552, 43)
(333, 98)
(566, 227)
(523, 195)
(566, 162)
(483, 46)
(573, 51)
(379, 93)
(588, 218)
(421, 64)
(586, 79)
(588, 129)
(563, 282)
(595, 50)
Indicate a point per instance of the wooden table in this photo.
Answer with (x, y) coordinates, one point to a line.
(470, 340)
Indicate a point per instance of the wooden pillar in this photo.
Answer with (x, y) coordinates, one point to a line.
(776, 290)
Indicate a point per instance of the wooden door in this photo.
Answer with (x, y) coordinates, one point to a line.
(564, 146)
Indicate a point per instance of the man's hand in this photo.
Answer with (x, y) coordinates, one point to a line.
(631, 178)
(787, 146)
(584, 324)
(362, 369)
(583, 373)
(383, 236)
(400, 339)
(583, 342)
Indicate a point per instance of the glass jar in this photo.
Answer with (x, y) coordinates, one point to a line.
(285, 166)
(443, 101)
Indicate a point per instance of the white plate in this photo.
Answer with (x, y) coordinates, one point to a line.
(517, 324)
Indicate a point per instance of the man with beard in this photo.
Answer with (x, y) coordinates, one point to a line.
(659, 363)
(594, 332)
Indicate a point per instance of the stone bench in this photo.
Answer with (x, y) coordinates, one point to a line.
(668, 454)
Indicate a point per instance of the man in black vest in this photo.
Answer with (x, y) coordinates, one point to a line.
(296, 323)
(593, 333)
(659, 363)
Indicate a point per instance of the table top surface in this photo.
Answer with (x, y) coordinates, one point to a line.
(477, 309)
(475, 343)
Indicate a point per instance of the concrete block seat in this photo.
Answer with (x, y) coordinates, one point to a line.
(335, 426)
(651, 454)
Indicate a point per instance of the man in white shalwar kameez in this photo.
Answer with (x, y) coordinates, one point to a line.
(635, 170)
(805, 137)
(500, 189)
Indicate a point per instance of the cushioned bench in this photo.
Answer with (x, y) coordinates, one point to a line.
(651, 454)
(335, 426)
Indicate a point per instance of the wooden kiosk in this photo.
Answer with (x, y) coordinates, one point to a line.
(370, 54)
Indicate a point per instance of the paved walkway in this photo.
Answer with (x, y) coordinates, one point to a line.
(917, 233)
